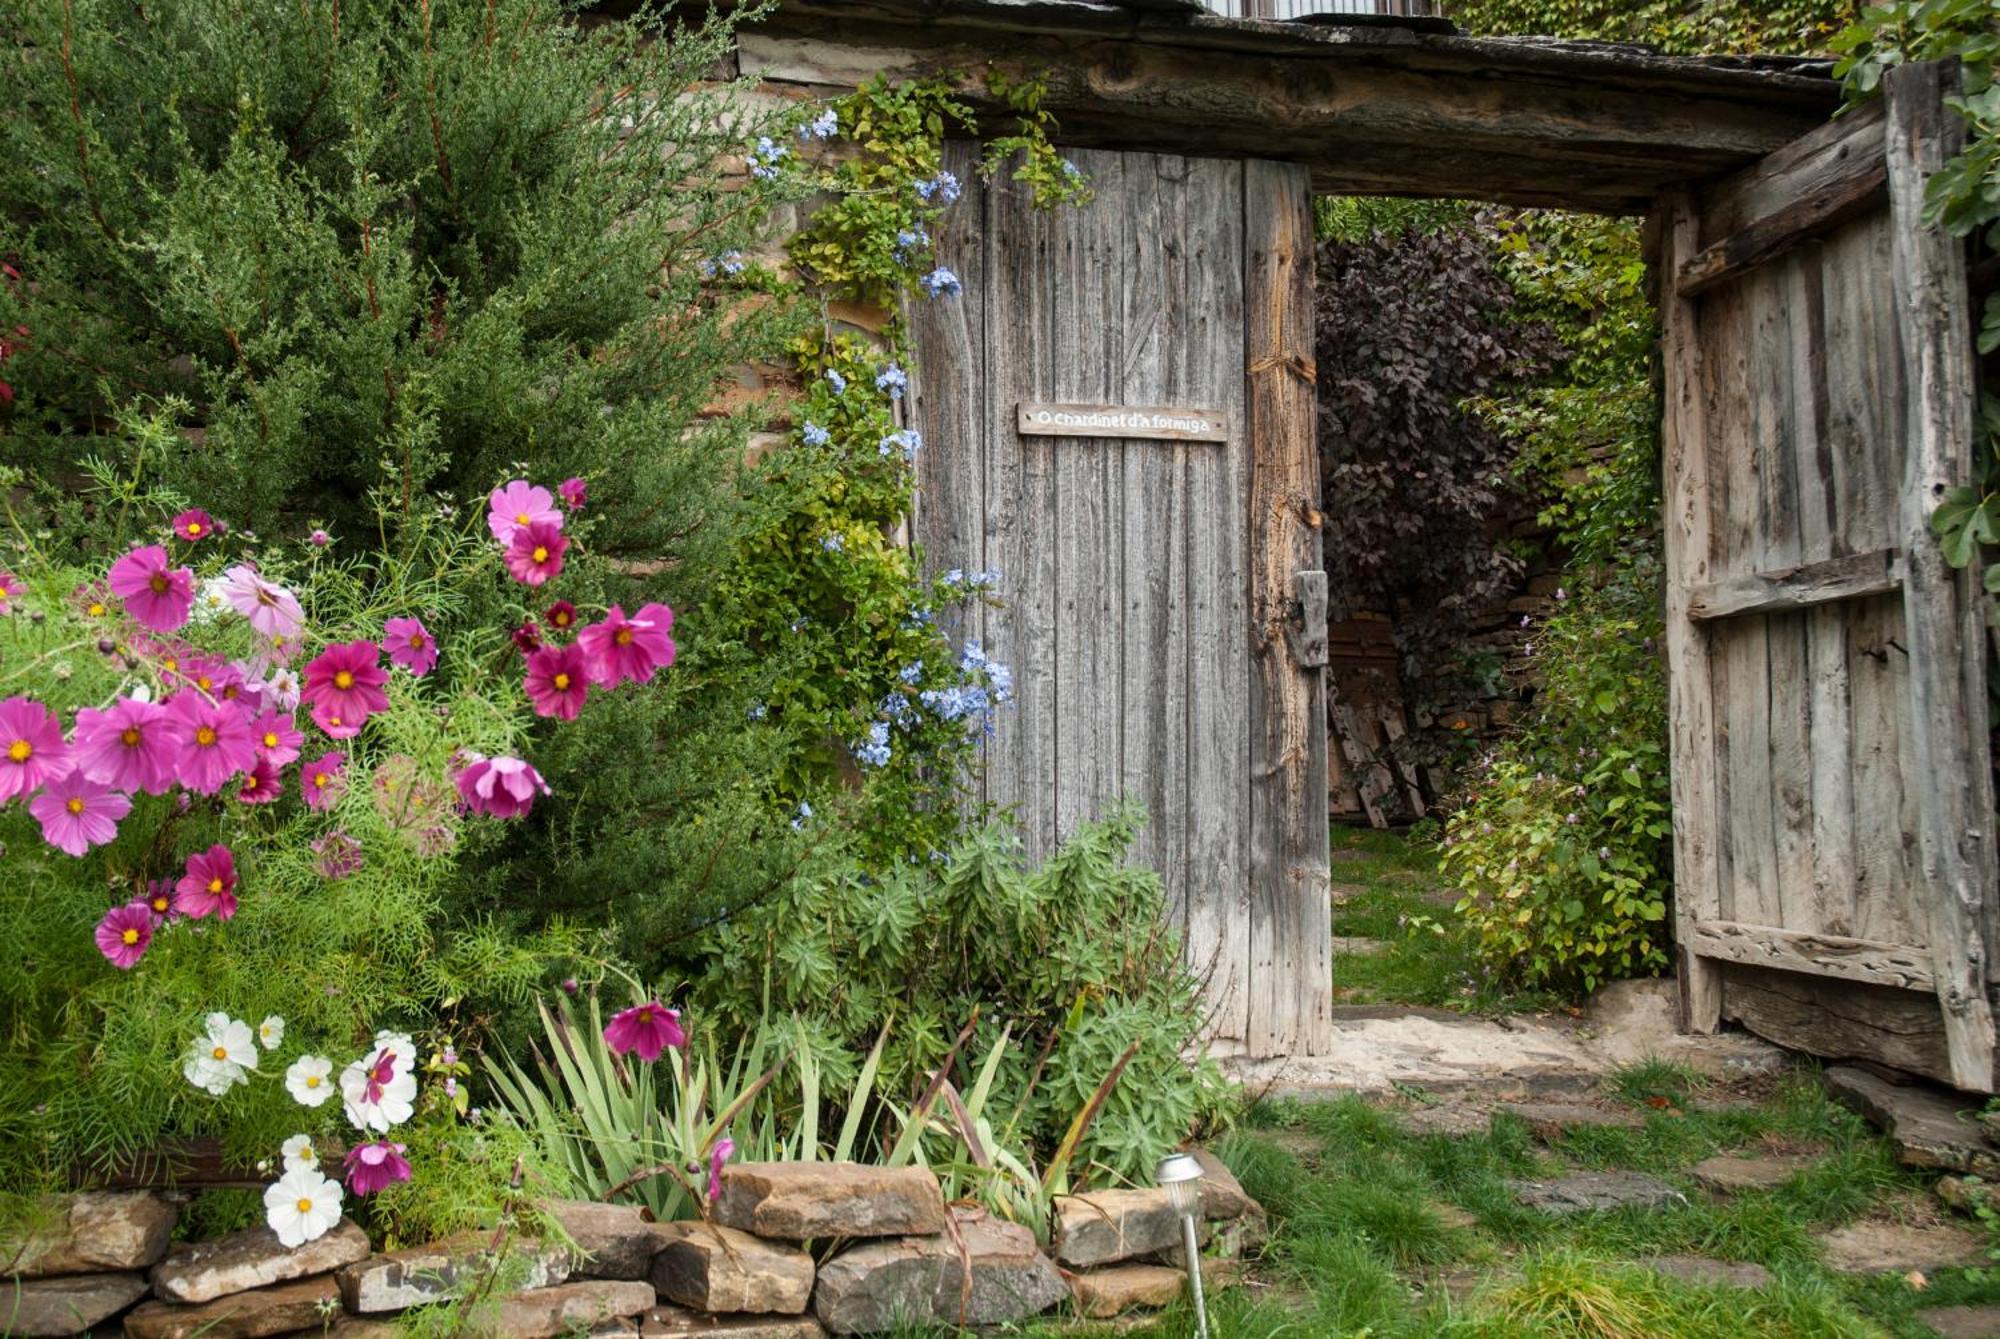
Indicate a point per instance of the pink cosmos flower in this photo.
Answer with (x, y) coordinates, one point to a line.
(573, 491)
(162, 900)
(562, 615)
(322, 780)
(558, 681)
(212, 676)
(124, 934)
(277, 738)
(622, 648)
(344, 684)
(527, 637)
(336, 855)
(211, 741)
(194, 525)
(647, 1028)
(410, 644)
(271, 609)
(157, 596)
(518, 505)
(209, 885)
(500, 787)
(260, 784)
(77, 813)
(718, 1155)
(375, 1164)
(32, 749)
(536, 553)
(10, 586)
(125, 746)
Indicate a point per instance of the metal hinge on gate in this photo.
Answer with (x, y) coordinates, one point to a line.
(1305, 621)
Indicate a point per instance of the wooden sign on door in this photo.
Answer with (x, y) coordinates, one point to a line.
(1110, 420)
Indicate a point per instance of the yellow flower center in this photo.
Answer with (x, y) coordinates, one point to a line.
(520, 518)
(158, 583)
(561, 682)
(170, 664)
(204, 683)
(306, 1154)
(129, 736)
(645, 1015)
(541, 554)
(623, 637)
(215, 884)
(416, 641)
(305, 1206)
(270, 739)
(20, 751)
(344, 679)
(220, 1053)
(97, 609)
(312, 1080)
(129, 938)
(75, 804)
(204, 736)
(194, 529)
(160, 905)
(319, 780)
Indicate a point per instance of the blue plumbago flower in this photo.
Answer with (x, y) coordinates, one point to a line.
(907, 440)
(765, 159)
(955, 577)
(814, 435)
(824, 126)
(804, 812)
(728, 263)
(894, 380)
(833, 544)
(875, 753)
(1071, 170)
(909, 242)
(989, 577)
(911, 672)
(897, 708)
(921, 618)
(758, 711)
(941, 283)
(837, 381)
(941, 189)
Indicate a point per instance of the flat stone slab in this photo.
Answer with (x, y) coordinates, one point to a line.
(303, 1304)
(1107, 1226)
(91, 1232)
(430, 1273)
(879, 1284)
(1388, 1049)
(1929, 1127)
(68, 1305)
(601, 1307)
(1735, 1173)
(1550, 1121)
(717, 1269)
(613, 1241)
(1103, 1293)
(1452, 1121)
(810, 1201)
(253, 1258)
(671, 1322)
(1592, 1192)
(1709, 1273)
(1963, 1322)
(1898, 1248)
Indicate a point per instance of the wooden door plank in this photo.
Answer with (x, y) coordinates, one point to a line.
(1943, 620)
(1291, 919)
(1800, 586)
(1899, 965)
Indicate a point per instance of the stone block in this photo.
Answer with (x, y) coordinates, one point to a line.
(1103, 1293)
(1898, 1248)
(202, 1271)
(808, 1201)
(1729, 1174)
(1929, 1127)
(1106, 1226)
(1589, 1192)
(713, 1268)
(613, 1241)
(1222, 1195)
(67, 1305)
(92, 1231)
(302, 1304)
(1963, 1322)
(672, 1322)
(1550, 1121)
(599, 1307)
(1003, 1277)
(431, 1273)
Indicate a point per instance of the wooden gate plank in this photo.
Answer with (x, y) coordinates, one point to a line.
(1801, 586)
(1942, 617)
(1898, 965)
(1291, 917)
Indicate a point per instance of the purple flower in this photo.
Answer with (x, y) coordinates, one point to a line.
(410, 644)
(647, 1028)
(574, 492)
(718, 1155)
(375, 1164)
(500, 787)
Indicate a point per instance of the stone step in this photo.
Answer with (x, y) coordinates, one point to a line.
(1898, 1248)
(1550, 1121)
(718, 1269)
(89, 1232)
(1930, 1128)
(1736, 1173)
(253, 1258)
(814, 1201)
(1591, 1192)
(69, 1304)
(302, 1304)
(1963, 1322)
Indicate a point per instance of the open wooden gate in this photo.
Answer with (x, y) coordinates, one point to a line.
(1834, 810)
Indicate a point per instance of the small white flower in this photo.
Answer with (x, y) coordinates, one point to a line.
(379, 1091)
(220, 1058)
(212, 600)
(310, 1080)
(271, 1033)
(299, 1153)
(302, 1205)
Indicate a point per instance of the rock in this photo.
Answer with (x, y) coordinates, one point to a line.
(1636, 1021)
(878, 1284)
(1222, 1195)
(600, 1307)
(1106, 1226)
(613, 1241)
(1963, 1322)
(68, 1305)
(1550, 1121)
(253, 1258)
(1453, 1122)
(1731, 1174)
(420, 1274)
(713, 1268)
(303, 1304)
(1709, 1273)
(808, 1201)
(93, 1231)
(1897, 1248)
(1963, 1193)
(1928, 1127)
(670, 1322)
(1588, 1192)
(1102, 1293)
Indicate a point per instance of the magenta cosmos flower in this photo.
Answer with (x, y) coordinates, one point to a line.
(276, 737)
(717, 1156)
(125, 746)
(518, 505)
(211, 741)
(344, 685)
(562, 615)
(574, 492)
(194, 525)
(125, 933)
(410, 644)
(499, 787)
(32, 749)
(621, 648)
(375, 1164)
(10, 586)
(77, 813)
(157, 596)
(271, 609)
(558, 681)
(260, 784)
(536, 553)
(162, 900)
(647, 1028)
(209, 885)
(321, 780)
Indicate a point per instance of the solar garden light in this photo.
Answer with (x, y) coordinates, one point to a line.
(1179, 1174)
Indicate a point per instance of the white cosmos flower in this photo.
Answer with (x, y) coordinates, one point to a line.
(281, 689)
(301, 1206)
(220, 1058)
(210, 601)
(310, 1080)
(380, 1089)
(271, 1033)
(299, 1153)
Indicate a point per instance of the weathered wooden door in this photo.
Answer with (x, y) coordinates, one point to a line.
(1149, 586)
(1835, 867)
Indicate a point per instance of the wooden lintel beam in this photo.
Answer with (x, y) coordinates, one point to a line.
(1866, 960)
(1854, 577)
